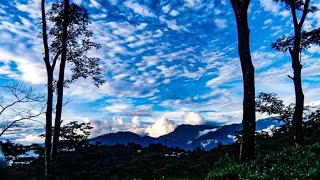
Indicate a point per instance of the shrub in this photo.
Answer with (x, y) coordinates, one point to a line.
(290, 163)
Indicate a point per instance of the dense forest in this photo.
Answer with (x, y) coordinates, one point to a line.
(68, 46)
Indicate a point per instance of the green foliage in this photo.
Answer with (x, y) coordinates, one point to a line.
(298, 5)
(290, 163)
(285, 43)
(269, 103)
(78, 42)
(74, 135)
(277, 158)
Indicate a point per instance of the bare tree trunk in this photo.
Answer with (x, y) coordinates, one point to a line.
(297, 67)
(60, 83)
(298, 111)
(49, 94)
(240, 9)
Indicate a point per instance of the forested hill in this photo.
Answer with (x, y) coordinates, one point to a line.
(187, 137)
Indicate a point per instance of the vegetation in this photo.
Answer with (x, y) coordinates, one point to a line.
(294, 45)
(70, 43)
(287, 152)
(277, 158)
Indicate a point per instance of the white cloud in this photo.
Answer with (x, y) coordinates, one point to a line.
(32, 8)
(206, 131)
(28, 70)
(193, 118)
(161, 127)
(139, 9)
(268, 21)
(221, 23)
(172, 24)
(227, 72)
(174, 13)
(135, 121)
(166, 8)
(270, 6)
(193, 3)
(94, 3)
(207, 142)
(314, 49)
(30, 139)
(285, 13)
(117, 108)
(117, 124)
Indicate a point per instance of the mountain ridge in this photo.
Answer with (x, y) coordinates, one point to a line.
(186, 136)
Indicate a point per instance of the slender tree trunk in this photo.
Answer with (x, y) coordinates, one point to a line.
(297, 120)
(48, 139)
(297, 67)
(60, 83)
(247, 151)
(49, 69)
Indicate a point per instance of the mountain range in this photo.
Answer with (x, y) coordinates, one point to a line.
(185, 136)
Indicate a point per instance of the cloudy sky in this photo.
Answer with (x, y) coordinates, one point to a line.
(165, 62)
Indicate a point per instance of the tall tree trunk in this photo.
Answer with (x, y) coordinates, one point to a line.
(297, 67)
(60, 83)
(240, 8)
(49, 69)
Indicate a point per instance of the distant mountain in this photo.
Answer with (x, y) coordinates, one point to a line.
(123, 138)
(186, 137)
(226, 134)
(184, 134)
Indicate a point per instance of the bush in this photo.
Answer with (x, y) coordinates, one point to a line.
(291, 163)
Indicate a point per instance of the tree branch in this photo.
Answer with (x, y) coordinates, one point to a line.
(290, 77)
(55, 59)
(30, 117)
(294, 15)
(304, 14)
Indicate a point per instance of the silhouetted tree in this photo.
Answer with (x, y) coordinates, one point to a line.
(21, 103)
(247, 150)
(270, 104)
(50, 64)
(71, 36)
(70, 42)
(74, 135)
(294, 45)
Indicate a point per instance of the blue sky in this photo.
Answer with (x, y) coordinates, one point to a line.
(165, 62)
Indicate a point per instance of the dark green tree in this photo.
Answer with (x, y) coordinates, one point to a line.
(247, 150)
(294, 45)
(74, 135)
(70, 42)
(72, 37)
(50, 63)
(270, 104)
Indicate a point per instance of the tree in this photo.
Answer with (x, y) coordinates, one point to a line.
(50, 64)
(294, 45)
(70, 42)
(270, 104)
(21, 103)
(247, 150)
(74, 135)
(72, 37)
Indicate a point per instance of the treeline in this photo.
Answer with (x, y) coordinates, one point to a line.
(78, 159)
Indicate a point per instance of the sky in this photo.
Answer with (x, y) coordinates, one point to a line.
(165, 62)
